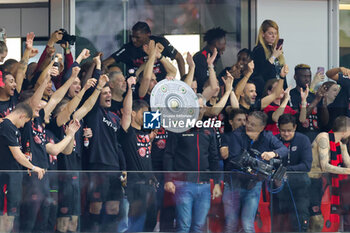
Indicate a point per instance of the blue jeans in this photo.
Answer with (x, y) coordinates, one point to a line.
(123, 215)
(240, 202)
(192, 205)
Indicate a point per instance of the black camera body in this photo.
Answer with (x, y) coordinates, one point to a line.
(248, 162)
(66, 38)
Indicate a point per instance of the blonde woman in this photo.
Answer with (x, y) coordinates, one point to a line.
(268, 54)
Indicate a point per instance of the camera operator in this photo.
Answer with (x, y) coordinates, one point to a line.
(299, 159)
(242, 191)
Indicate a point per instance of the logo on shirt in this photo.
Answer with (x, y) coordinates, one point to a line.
(151, 120)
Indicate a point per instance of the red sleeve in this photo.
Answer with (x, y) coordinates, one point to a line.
(289, 110)
(41, 59)
(68, 60)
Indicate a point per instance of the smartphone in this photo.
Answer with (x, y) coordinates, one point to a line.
(279, 43)
(320, 70)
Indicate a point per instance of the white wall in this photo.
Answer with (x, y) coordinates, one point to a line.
(303, 26)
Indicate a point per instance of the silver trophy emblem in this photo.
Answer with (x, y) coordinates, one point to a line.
(177, 103)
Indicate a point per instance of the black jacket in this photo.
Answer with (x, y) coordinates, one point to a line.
(238, 141)
(299, 156)
(193, 150)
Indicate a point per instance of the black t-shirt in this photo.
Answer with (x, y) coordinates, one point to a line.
(6, 107)
(201, 72)
(9, 136)
(74, 160)
(254, 107)
(158, 149)
(338, 108)
(312, 126)
(344, 82)
(51, 138)
(136, 96)
(104, 147)
(261, 64)
(34, 141)
(116, 108)
(136, 145)
(134, 57)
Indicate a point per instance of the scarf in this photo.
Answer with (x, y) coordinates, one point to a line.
(335, 160)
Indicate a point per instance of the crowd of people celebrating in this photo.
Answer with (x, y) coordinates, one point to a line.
(73, 115)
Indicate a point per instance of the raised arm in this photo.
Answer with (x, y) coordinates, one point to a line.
(280, 110)
(29, 52)
(85, 53)
(303, 110)
(241, 84)
(323, 149)
(34, 101)
(43, 74)
(274, 95)
(49, 51)
(91, 101)
(213, 84)
(333, 73)
(316, 80)
(191, 67)
(180, 64)
(219, 106)
(150, 49)
(55, 149)
(127, 106)
(169, 68)
(64, 116)
(58, 95)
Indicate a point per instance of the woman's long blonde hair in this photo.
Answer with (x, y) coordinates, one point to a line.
(260, 40)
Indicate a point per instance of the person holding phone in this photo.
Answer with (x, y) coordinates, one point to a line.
(268, 52)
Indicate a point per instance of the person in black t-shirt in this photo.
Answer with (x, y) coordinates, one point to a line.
(11, 84)
(12, 158)
(341, 75)
(136, 145)
(311, 127)
(133, 55)
(335, 102)
(117, 84)
(216, 39)
(147, 79)
(36, 148)
(68, 183)
(104, 154)
(8, 94)
(247, 97)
